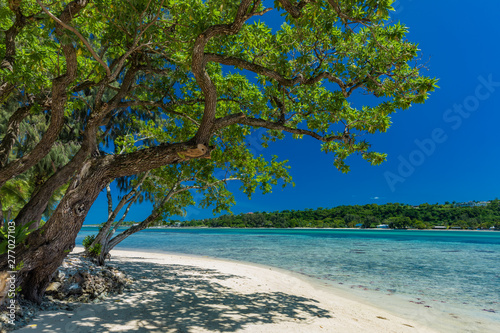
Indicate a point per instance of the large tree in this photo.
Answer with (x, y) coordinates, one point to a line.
(211, 70)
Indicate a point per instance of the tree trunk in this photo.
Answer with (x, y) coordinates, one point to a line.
(34, 209)
(121, 236)
(108, 245)
(49, 245)
(105, 241)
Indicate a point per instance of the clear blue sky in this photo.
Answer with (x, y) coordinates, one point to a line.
(461, 41)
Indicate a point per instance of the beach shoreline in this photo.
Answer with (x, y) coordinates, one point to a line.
(185, 293)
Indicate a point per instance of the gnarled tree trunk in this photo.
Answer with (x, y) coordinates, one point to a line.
(49, 245)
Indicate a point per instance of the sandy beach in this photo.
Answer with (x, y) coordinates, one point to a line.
(174, 293)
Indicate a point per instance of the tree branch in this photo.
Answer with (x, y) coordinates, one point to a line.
(272, 74)
(243, 120)
(156, 212)
(7, 62)
(79, 35)
(199, 62)
(134, 47)
(163, 106)
(116, 166)
(110, 200)
(59, 99)
(295, 10)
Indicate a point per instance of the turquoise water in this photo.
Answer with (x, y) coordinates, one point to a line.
(446, 270)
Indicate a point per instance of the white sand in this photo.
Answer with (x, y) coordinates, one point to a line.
(174, 293)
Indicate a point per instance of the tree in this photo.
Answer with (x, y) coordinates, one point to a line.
(351, 220)
(210, 70)
(398, 222)
(369, 221)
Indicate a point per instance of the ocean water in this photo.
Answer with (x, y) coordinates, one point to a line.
(452, 273)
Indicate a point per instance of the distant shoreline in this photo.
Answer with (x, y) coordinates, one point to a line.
(298, 228)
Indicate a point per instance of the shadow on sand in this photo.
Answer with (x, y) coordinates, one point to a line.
(179, 298)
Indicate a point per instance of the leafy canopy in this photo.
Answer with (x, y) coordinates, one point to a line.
(143, 76)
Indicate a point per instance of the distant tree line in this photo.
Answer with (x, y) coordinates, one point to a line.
(395, 215)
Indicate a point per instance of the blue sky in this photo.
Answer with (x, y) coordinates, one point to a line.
(445, 150)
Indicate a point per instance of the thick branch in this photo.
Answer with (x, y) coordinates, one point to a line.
(198, 67)
(151, 158)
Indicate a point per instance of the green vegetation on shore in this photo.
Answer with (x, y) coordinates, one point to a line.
(395, 215)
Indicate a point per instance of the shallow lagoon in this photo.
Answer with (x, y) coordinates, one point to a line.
(453, 272)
